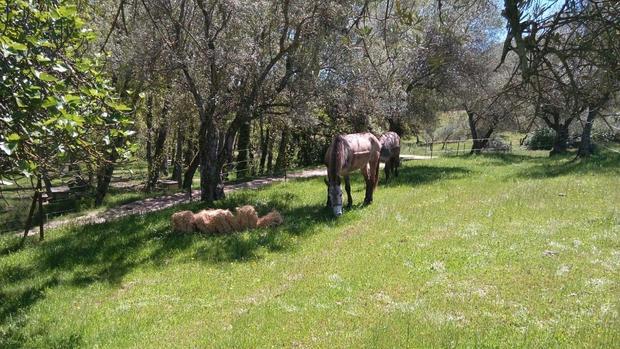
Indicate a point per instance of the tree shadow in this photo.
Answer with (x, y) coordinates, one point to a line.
(600, 163)
(423, 174)
(107, 253)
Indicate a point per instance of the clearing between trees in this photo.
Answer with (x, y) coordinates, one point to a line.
(512, 250)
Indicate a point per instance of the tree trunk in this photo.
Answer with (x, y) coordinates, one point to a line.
(265, 138)
(585, 146)
(560, 143)
(243, 145)
(188, 177)
(177, 172)
(281, 159)
(478, 144)
(158, 160)
(47, 182)
(104, 176)
(270, 155)
(211, 187)
(148, 119)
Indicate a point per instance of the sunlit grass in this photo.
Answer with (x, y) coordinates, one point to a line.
(496, 251)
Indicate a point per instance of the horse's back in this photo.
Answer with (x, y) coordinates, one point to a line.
(360, 149)
(362, 142)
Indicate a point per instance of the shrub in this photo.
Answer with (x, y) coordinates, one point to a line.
(541, 139)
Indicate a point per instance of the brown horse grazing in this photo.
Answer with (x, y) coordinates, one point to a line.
(390, 153)
(348, 153)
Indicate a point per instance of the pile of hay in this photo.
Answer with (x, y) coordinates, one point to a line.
(223, 221)
(183, 222)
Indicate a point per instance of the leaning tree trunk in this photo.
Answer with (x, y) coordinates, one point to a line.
(188, 177)
(47, 183)
(105, 171)
(585, 147)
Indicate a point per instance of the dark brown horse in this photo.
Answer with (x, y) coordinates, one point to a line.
(348, 153)
(390, 153)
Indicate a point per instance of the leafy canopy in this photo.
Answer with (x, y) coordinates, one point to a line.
(55, 103)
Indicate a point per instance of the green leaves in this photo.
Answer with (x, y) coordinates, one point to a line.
(13, 137)
(50, 102)
(58, 101)
(45, 76)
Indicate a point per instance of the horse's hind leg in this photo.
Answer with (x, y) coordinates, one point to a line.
(396, 162)
(366, 172)
(347, 187)
(396, 165)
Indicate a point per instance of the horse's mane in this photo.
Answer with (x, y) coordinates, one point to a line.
(336, 158)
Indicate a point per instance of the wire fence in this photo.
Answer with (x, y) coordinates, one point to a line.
(456, 147)
(71, 189)
(252, 169)
(66, 190)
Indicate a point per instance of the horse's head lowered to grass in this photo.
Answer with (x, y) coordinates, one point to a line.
(334, 196)
(347, 153)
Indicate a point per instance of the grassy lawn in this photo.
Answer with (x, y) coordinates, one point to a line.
(508, 251)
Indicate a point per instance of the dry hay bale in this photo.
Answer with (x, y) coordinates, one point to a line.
(247, 218)
(183, 221)
(233, 222)
(221, 219)
(214, 221)
(205, 221)
(271, 219)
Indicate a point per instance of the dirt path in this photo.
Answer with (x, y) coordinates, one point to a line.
(162, 202)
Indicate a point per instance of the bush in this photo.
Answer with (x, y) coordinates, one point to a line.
(541, 139)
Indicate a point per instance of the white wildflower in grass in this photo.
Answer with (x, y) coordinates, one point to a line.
(598, 283)
(438, 266)
(557, 246)
(562, 270)
(335, 278)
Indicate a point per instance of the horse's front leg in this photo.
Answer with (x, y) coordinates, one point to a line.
(387, 169)
(347, 187)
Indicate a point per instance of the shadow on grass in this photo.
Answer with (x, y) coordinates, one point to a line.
(106, 253)
(423, 174)
(603, 162)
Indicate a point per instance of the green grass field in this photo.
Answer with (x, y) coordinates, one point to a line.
(514, 250)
